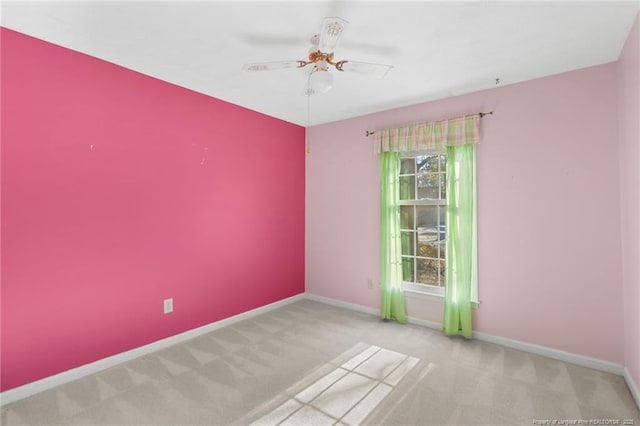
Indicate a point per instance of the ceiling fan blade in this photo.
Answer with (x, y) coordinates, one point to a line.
(268, 66)
(332, 29)
(376, 70)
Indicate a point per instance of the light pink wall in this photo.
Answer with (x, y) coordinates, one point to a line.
(119, 191)
(629, 111)
(549, 240)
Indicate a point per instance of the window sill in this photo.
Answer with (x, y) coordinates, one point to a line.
(414, 293)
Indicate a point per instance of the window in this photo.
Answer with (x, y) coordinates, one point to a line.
(423, 201)
(428, 209)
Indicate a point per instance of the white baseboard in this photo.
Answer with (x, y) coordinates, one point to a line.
(50, 382)
(569, 357)
(632, 386)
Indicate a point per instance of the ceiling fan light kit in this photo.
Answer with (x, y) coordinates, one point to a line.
(321, 55)
(320, 81)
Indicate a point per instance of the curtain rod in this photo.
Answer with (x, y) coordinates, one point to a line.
(481, 114)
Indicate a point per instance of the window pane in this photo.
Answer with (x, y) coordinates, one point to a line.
(427, 163)
(406, 217)
(407, 240)
(442, 244)
(407, 166)
(427, 270)
(407, 269)
(443, 186)
(443, 271)
(427, 218)
(428, 185)
(428, 245)
(407, 187)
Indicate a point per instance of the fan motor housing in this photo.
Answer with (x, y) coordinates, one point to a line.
(317, 55)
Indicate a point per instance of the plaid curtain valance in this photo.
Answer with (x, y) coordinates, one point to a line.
(437, 134)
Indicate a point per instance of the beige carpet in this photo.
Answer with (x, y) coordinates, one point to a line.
(313, 364)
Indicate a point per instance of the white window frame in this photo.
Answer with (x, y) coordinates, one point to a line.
(423, 290)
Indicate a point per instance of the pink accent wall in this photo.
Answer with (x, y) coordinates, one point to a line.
(549, 208)
(120, 190)
(629, 113)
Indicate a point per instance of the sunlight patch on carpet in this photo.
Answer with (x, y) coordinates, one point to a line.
(344, 390)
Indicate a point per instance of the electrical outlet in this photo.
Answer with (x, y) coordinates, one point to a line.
(168, 305)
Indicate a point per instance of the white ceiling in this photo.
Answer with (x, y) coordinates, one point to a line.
(438, 49)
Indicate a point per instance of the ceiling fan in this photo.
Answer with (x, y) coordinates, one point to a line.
(321, 56)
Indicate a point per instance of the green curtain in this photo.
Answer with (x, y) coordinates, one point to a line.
(392, 305)
(461, 274)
